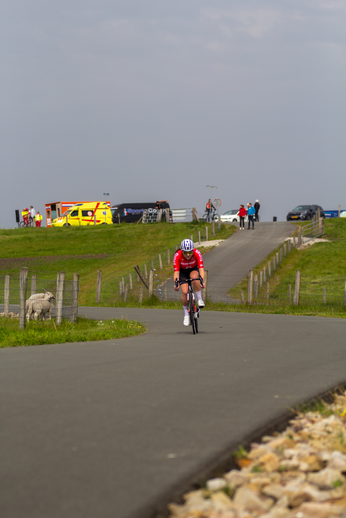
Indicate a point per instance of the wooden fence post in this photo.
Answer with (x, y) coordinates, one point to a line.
(120, 288)
(98, 286)
(255, 285)
(23, 286)
(125, 293)
(130, 281)
(160, 262)
(297, 289)
(59, 296)
(7, 295)
(151, 283)
(264, 274)
(33, 284)
(75, 291)
(213, 228)
(269, 269)
(145, 271)
(242, 297)
(194, 214)
(249, 288)
(261, 279)
(267, 290)
(205, 291)
(299, 236)
(285, 250)
(289, 246)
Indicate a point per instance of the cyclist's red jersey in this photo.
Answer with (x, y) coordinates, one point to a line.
(181, 263)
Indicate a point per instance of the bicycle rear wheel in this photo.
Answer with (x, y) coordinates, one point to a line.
(192, 313)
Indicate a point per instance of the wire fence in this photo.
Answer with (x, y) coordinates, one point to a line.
(111, 289)
(16, 291)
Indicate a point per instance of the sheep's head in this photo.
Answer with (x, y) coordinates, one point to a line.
(48, 295)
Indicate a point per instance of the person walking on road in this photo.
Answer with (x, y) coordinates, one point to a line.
(257, 208)
(242, 214)
(251, 216)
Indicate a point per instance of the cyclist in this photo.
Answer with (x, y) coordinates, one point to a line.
(188, 264)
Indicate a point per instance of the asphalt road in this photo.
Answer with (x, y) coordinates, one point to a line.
(232, 260)
(106, 429)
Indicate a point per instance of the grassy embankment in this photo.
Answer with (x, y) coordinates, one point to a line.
(115, 250)
(84, 250)
(323, 263)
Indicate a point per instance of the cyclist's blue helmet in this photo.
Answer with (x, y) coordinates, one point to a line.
(187, 245)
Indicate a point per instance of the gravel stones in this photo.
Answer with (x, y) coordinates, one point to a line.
(300, 473)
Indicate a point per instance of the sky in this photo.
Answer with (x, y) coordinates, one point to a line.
(158, 99)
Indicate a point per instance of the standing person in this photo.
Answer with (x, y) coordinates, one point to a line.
(32, 214)
(209, 207)
(251, 216)
(242, 213)
(38, 219)
(188, 264)
(25, 216)
(257, 208)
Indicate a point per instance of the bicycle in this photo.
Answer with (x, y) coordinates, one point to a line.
(193, 308)
(212, 216)
(27, 223)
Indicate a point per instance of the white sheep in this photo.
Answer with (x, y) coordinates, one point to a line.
(41, 309)
(47, 295)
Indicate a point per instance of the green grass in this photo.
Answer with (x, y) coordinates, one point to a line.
(84, 330)
(114, 250)
(322, 266)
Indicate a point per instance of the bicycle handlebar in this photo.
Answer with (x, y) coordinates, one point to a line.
(189, 281)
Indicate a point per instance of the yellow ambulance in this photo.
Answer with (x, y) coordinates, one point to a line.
(87, 213)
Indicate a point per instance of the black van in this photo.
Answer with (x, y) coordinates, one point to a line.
(132, 212)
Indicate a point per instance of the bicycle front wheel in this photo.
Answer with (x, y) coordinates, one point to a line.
(192, 314)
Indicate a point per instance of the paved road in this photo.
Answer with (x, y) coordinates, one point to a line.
(232, 260)
(105, 429)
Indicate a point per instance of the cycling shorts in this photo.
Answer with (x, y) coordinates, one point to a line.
(185, 274)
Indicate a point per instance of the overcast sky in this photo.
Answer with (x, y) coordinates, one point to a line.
(156, 99)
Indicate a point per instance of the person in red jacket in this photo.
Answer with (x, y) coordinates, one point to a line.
(188, 264)
(241, 213)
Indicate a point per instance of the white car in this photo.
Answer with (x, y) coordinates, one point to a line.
(231, 216)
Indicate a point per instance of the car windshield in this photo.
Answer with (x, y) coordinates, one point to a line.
(302, 207)
(231, 212)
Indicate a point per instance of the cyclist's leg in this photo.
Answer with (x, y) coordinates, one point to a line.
(184, 289)
(197, 286)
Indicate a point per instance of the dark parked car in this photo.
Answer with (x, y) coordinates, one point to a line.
(304, 212)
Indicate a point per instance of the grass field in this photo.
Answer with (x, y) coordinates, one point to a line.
(115, 250)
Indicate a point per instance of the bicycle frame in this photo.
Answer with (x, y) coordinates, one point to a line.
(193, 308)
